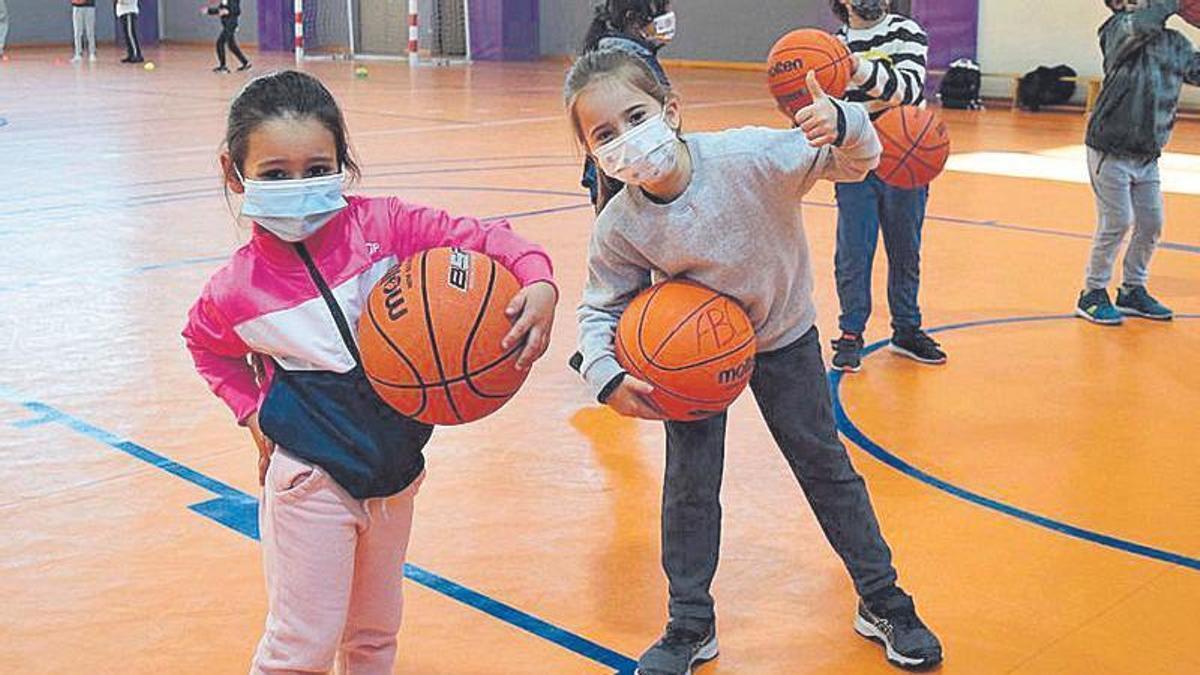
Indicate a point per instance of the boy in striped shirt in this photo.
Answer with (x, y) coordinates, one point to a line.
(889, 52)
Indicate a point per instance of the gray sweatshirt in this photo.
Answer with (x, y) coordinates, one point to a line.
(737, 229)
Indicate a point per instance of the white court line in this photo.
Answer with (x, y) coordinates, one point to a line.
(1180, 172)
(446, 126)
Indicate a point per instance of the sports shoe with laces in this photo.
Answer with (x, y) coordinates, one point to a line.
(1136, 301)
(678, 650)
(890, 618)
(847, 353)
(1095, 306)
(918, 346)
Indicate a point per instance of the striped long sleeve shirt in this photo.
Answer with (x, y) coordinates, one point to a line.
(892, 69)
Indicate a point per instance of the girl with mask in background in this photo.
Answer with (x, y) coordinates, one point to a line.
(890, 63)
(723, 209)
(273, 335)
(642, 28)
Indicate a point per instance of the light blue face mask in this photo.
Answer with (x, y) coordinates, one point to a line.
(293, 210)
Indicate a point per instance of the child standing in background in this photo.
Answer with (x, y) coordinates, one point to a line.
(83, 21)
(230, 12)
(3, 28)
(1145, 66)
(889, 55)
(127, 18)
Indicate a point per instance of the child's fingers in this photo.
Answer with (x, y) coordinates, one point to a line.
(515, 305)
(813, 123)
(535, 346)
(518, 332)
(814, 87)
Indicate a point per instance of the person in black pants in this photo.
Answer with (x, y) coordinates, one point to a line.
(127, 17)
(229, 11)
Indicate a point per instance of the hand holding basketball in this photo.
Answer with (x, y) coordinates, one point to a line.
(266, 447)
(532, 308)
(819, 121)
(632, 399)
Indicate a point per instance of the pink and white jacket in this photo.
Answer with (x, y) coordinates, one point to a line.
(268, 302)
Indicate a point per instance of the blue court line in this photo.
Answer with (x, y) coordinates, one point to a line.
(847, 427)
(239, 512)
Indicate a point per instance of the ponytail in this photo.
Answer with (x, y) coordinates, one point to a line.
(602, 24)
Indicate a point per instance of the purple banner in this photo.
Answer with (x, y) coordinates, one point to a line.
(276, 25)
(504, 30)
(953, 27)
(147, 24)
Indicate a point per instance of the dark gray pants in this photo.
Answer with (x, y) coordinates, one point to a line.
(792, 393)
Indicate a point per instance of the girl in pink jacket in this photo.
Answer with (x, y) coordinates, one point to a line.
(272, 334)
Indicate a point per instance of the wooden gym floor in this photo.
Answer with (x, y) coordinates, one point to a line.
(1039, 491)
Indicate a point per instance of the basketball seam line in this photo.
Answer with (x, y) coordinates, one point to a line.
(437, 355)
(466, 359)
(402, 355)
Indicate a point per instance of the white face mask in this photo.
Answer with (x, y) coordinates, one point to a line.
(293, 210)
(642, 154)
(664, 27)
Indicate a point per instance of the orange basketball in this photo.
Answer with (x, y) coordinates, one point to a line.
(693, 344)
(916, 145)
(1189, 10)
(430, 337)
(799, 52)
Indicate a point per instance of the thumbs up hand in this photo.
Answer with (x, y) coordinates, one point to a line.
(820, 119)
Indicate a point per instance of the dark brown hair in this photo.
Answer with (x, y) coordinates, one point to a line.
(286, 94)
(622, 17)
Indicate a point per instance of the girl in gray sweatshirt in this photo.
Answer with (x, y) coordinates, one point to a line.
(723, 209)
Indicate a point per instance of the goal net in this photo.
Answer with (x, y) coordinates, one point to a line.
(422, 31)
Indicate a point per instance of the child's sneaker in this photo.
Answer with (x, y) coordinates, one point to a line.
(918, 346)
(1136, 301)
(1097, 308)
(890, 618)
(76, 59)
(677, 651)
(847, 353)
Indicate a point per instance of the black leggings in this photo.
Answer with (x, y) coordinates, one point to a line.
(133, 49)
(228, 29)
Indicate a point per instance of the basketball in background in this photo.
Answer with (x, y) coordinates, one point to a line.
(693, 344)
(799, 52)
(916, 145)
(430, 337)
(1189, 10)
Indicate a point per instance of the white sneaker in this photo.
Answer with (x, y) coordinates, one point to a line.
(76, 59)
(92, 57)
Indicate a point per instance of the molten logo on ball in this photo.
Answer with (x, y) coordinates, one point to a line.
(788, 66)
(393, 287)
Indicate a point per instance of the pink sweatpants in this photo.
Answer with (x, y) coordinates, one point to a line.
(334, 566)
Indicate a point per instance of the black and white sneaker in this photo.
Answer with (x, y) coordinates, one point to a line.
(678, 650)
(847, 353)
(918, 346)
(890, 618)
